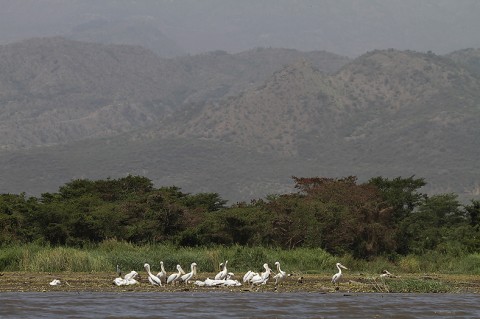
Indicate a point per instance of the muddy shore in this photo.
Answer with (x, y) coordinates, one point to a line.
(351, 283)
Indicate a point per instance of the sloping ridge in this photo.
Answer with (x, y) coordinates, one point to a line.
(389, 113)
(377, 96)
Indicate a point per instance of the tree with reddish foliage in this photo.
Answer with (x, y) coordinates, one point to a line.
(352, 217)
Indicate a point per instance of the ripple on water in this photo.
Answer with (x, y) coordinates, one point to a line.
(236, 305)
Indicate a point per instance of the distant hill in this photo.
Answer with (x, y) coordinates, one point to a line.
(55, 90)
(380, 92)
(468, 58)
(240, 125)
(387, 112)
(134, 31)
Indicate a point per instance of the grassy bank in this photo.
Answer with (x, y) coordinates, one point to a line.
(105, 256)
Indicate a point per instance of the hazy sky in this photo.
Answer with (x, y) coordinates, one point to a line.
(348, 27)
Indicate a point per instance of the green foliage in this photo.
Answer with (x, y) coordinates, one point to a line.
(418, 286)
(473, 213)
(380, 218)
(438, 224)
(401, 194)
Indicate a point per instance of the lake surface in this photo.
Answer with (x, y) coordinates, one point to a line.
(236, 305)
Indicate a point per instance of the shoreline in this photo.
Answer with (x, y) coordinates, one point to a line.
(315, 283)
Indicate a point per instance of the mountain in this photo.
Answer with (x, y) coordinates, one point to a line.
(468, 58)
(379, 92)
(55, 90)
(387, 112)
(349, 28)
(237, 124)
(134, 31)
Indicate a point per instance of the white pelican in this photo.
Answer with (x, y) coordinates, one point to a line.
(154, 280)
(217, 282)
(55, 282)
(162, 274)
(231, 282)
(280, 276)
(263, 277)
(338, 275)
(129, 279)
(185, 278)
(175, 276)
(249, 275)
(213, 282)
(223, 273)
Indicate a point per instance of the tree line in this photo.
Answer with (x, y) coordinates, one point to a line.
(381, 217)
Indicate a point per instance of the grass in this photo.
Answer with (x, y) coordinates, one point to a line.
(105, 256)
(30, 267)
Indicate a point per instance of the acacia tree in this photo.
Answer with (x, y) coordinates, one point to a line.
(353, 217)
(401, 194)
(432, 224)
(294, 222)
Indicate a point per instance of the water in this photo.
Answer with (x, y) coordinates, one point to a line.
(237, 305)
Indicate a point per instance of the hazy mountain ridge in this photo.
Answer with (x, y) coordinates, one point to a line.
(55, 90)
(349, 28)
(240, 124)
(469, 58)
(378, 92)
(133, 31)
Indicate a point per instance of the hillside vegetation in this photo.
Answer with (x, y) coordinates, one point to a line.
(239, 124)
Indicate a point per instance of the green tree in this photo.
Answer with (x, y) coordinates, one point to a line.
(401, 194)
(432, 223)
(473, 212)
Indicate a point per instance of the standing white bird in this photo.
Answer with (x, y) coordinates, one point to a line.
(338, 275)
(162, 274)
(175, 276)
(280, 276)
(154, 280)
(185, 278)
(248, 276)
(263, 277)
(223, 273)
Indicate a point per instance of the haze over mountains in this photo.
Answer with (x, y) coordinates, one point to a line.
(237, 124)
(345, 27)
(235, 97)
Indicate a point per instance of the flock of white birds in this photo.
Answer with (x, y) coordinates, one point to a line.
(222, 278)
